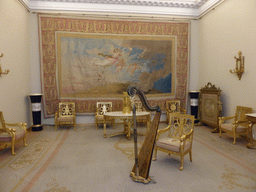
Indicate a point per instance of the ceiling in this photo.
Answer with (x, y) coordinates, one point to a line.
(170, 8)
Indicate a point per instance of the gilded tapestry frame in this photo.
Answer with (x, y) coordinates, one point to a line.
(52, 27)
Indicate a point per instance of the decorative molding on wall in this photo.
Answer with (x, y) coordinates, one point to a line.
(173, 8)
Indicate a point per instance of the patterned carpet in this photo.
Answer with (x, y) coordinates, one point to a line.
(82, 160)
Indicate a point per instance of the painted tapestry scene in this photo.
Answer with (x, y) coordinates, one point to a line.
(103, 65)
(87, 60)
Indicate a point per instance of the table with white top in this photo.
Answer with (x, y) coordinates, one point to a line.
(127, 119)
(251, 117)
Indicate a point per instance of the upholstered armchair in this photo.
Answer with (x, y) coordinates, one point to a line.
(239, 124)
(66, 115)
(103, 107)
(178, 137)
(173, 107)
(11, 133)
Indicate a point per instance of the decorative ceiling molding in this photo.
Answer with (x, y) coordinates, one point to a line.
(173, 8)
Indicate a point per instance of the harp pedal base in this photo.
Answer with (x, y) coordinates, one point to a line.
(139, 178)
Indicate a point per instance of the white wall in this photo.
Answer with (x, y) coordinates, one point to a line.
(14, 44)
(224, 31)
(194, 57)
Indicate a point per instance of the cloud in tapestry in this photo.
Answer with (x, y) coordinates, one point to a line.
(103, 65)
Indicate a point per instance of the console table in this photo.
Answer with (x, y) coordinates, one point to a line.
(127, 119)
(252, 119)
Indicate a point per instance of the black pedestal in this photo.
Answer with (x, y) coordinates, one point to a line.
(36, 111)
(194, 95)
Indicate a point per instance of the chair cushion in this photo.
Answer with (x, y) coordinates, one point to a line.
(172, 144)
(100, 118)
(5, 137)
(65, 119)
(229, 127)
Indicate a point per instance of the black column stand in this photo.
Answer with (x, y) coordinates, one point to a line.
(194, 95)
(36, 111)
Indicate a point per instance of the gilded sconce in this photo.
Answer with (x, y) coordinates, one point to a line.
(239, 65)
(1, 71)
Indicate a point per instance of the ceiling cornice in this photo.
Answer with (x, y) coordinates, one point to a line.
(174, 8)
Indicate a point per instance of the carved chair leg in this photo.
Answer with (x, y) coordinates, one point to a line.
(234, 140)
(190, 155)
(13, 153)
(25, 142)
(96, 125)
(220, 132)
(13, 142)
(113, 124)
(247, 135)
(155, 154)
(181, 163)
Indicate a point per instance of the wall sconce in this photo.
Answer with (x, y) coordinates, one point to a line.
(239, 65)
(1, 71)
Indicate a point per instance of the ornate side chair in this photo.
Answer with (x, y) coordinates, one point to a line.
(11, 133)
(240, 124)
(65, 115)
(139, 107)
(179, 139)
(103, 107)
(173, 107)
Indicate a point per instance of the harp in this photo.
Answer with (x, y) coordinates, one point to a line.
(140, 171)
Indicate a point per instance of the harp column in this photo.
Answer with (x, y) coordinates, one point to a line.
(36, 111)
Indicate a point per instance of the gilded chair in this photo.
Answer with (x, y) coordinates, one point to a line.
(103, 107)
(173, 107)
(238, 126)
(66, 115)
(139, 108)
(11, 133)
(178, 137)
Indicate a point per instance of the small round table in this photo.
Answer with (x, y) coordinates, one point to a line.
(128, 121)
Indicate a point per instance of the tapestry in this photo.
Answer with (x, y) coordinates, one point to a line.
(88, 60)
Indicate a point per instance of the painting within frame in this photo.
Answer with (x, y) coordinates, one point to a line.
(104, 65)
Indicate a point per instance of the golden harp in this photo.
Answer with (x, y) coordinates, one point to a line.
(140, 171)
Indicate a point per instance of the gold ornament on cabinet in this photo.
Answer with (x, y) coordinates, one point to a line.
(239, 65)
(1, 71)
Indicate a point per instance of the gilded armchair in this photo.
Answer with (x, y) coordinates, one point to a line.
(66, 115)
(173, 107)
(178, 137)
(11, 133)
(103, 107)
(238, 126)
